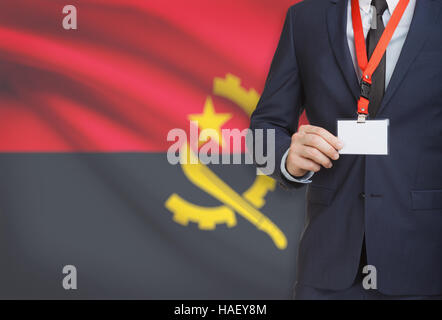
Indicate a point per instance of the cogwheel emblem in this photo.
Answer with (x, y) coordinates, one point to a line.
(246, 204)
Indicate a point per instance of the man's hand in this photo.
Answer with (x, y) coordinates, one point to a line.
(311, 148)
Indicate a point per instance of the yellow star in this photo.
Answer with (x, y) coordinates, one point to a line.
(209, 119)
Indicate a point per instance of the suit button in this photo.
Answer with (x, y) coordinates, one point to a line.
(362, 195)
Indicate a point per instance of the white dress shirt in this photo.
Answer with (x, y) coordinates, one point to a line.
(392, 54)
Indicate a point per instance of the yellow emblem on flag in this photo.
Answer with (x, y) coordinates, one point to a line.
(246, 204)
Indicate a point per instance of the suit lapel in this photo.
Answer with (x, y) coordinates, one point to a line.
(424, 16)
(337, 31)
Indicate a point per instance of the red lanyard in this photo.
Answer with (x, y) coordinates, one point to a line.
(369, 67)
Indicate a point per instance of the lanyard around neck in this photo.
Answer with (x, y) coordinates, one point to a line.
(369, 67)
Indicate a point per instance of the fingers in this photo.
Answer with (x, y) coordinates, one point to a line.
(324, 134)
(311, 148)
(317, 142)
(322, 140)
(308, 165)
(317, 156)
(298, 166)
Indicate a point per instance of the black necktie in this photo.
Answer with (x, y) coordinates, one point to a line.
(378, 79)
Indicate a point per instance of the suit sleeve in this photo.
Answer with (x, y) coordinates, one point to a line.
(281, 103)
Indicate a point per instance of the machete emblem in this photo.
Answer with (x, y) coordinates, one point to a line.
(246, 204)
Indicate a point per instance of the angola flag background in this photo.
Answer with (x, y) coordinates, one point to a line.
(84, 177)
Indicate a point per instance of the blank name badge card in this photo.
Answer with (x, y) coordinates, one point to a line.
(370, 137)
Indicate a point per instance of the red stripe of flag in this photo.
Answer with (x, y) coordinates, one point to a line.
(132, 71)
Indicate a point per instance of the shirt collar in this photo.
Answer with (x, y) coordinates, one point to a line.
(365, 5)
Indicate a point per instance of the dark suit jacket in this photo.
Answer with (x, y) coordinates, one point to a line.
(395, 200)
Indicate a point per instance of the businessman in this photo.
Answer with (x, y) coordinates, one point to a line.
(379, 210)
